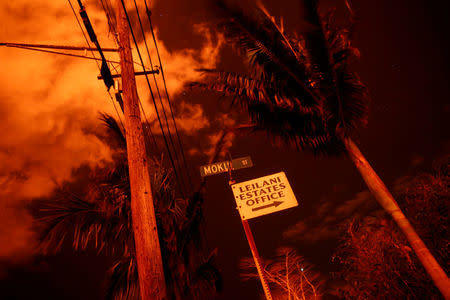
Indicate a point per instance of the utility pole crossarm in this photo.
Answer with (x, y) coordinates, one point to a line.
(135, 73)
(59, 47)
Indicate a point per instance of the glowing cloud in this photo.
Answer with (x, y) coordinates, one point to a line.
(50, 104)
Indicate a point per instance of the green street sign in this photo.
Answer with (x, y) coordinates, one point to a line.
(224, 166)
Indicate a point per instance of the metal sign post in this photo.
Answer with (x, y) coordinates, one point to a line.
(258, 197)
(255, 254)
(254, 198)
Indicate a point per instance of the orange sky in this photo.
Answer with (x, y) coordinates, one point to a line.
(50, 106)
(49, 109)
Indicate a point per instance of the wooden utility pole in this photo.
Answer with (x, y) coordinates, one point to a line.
(148, 252)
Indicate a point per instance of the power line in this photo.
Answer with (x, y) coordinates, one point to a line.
(154, 103)
(93, 55)
(148, 12)
(112, 22)
(135, 73)
(36, 47)
(57, 52)
(153, 98)
(159, 94)
(60, 47)
(104, 70)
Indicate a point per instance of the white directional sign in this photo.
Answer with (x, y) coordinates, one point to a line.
(264, 195)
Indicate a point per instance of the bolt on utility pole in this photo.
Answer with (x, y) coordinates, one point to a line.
(148, 252)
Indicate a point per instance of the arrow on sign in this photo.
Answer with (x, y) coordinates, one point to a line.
(275, 203)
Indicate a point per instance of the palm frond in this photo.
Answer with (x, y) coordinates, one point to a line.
(299, 90)
(102, 224)
(354, 102)
(207, 278)
(114, 128)
(347, 98)
(224, 142)
(122, 281)
(270, 56)
(101, 218)
(301, 131)
(253, 90)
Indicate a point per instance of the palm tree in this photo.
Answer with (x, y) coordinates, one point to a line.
(300, 89)
(102, 218)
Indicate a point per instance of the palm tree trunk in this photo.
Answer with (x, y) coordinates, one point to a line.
(384, 197)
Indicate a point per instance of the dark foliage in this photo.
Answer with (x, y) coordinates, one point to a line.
(101, 218)
(376, 260)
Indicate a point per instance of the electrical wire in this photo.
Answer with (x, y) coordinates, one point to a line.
(153, 98)
(87, 40)
(148, 12)
(58, 47)
(154, 103)
(59, 53)
(160, 98)
(98, 66)
(106, 5)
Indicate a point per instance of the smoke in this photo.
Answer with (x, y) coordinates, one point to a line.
(179, 68)
(326, 223)
(49, 106)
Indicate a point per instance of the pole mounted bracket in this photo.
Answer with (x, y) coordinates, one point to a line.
(100, 77)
